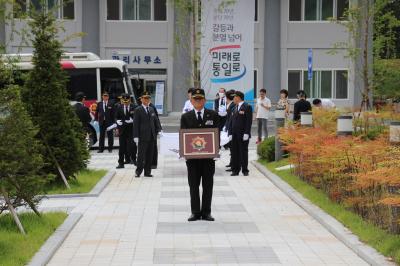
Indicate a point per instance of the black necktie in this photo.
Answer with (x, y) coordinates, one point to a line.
(147, 109)
(222, 101)
(199, 117)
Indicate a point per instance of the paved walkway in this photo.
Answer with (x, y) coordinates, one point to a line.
(143, 222)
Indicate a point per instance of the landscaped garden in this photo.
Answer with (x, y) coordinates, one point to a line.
(354, 178)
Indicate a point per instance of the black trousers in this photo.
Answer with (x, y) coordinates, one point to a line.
(125, 147)
(110, 137)
(201, 170)
(155, 155)
(145, 157)
(131, 155)
(240, 154)
(222, 121)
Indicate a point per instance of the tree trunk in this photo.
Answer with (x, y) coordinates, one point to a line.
(12, 211)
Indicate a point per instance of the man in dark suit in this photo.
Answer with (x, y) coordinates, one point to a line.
(230, 107)
(124, 119)
(154, 162)
(82, 111)
(240, 132)
(105, 117)
(220, 107)
(200, 170)
(145, 130)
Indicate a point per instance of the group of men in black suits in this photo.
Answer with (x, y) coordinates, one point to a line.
(137, 126)
(237, 116)
(231, 114)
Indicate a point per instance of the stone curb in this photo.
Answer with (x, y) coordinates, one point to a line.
(95, 192)
(50, 247)
(365, 252)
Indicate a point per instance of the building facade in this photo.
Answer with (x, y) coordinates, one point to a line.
(143, 33)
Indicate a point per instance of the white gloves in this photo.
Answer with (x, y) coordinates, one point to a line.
(111, 127)
(161, 133)
(130, 121)
(136, 140)
(224, 113)
(230, 137)
(119, 122)
(246, 137)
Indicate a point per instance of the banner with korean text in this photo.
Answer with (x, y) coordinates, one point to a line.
(227, 46)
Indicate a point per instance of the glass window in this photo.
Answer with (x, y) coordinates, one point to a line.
(144, 9)
(128, 10)
(294, 82)
(326, 9)
(326, 84)
(341, 84)
(310, 86)
(113, 9)
(68, 9)
(342, 7)
(84, 80)
(112, 82)
(310, 9)
(295, 10)
(160, 10)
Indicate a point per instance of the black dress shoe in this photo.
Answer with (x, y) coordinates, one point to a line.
(228, 170)
(208, 217)
(194, 217)
(246, 173)
(110, 151)
(148, 175)
(100, 151)
(120, 166)
(137, 175)
(127, 162)
(228, 165)
(234, 174)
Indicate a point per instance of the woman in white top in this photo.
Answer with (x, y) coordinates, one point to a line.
(262, 111)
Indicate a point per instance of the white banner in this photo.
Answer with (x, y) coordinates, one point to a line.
(227, 46)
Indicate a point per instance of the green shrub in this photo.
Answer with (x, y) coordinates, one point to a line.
(266, 149)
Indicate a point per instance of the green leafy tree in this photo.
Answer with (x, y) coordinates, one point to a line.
(46, 99)
(21, 161)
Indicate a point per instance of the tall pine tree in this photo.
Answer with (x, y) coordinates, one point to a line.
(21, 162)
(46, 99)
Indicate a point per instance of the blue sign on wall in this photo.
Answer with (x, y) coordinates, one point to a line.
(310, 64)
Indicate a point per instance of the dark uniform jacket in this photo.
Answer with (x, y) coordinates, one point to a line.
(241, 120)
(300, 106)
(146, 125)
(230, 109)
(210, 120)
(83, 113)
(105, 117)
(216, 103)
(119, 114)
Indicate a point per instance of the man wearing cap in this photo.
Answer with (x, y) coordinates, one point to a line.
(200, 170)
(81, 110)
(105, 117)
(239, 132)
(145, 130)
(123, 117)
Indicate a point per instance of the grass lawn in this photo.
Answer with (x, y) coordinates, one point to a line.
(386, 243)
(84, 183)
(17, 249)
